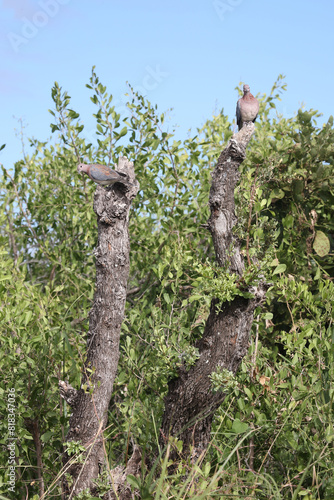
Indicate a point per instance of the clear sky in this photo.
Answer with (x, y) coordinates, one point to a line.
(187, 55)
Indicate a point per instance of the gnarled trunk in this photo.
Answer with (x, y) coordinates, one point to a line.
(90, 403)
(190, 403)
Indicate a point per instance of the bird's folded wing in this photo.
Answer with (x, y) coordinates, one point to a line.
(102, 173)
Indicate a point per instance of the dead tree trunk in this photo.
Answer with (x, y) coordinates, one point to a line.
(90, 403)
(191, 403)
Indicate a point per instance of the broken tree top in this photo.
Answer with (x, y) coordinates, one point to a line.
(247, 108)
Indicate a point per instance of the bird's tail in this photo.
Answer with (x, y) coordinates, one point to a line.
(124, 180)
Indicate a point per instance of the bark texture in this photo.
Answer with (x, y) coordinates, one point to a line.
(90, 403)
(190, 403)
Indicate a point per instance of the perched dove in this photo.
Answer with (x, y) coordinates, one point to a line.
(103, 175)
(247, 108)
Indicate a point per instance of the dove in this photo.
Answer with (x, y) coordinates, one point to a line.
(247, 108)
(103, 175)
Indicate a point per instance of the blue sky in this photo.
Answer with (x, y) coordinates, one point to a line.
(186, 55)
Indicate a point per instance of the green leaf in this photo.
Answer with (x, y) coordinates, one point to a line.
(248, 393)
(54, 127)
(329, 434)
(288, 221)
(195, 297)
(277, 194)
(280, 269)
(27, 317)
(123, 132)
(321, 244)
(135, 482)
(46, 436)
(73, 114)
(274, 262)
(239, 427)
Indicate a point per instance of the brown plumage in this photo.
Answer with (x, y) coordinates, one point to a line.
(247, 108)
(103, 175)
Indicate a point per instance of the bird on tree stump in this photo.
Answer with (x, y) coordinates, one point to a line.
(103, 175)
(247, 108)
